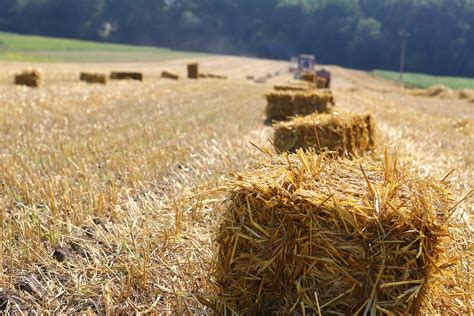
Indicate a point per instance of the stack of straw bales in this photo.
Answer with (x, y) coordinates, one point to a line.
(283, 105)
(193, 71)
(93, 77)
(169, 75)
(116, 75)
(30, 78)
(344, 133)
(308, 76)
(309, 234)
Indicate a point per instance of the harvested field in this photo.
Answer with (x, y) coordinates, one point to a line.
(309, 234)
(126, 76)
(93, 77)
(283, 105)
(343, 133)
(109, 193)
(29, 78)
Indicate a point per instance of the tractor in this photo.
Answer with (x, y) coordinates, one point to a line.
(304, 67)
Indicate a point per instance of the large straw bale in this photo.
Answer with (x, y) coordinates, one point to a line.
(310, 234)
(120, 75)
(169, 75)
(283, 105)
(30, 78)
(344, 133)
(193, 71)
(93, 77)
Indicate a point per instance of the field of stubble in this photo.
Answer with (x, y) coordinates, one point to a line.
(109, 194)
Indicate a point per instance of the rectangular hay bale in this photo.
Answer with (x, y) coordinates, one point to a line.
(309, 234)
(29, 78)
(169, 75)
(282, 105)
(93, 77)
(212, 76)
(321, 83)
(193, 71)
(123, 75)
(344, 133)
(296, 85)
(308, 76)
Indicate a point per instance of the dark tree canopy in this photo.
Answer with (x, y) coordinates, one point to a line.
(355, 33)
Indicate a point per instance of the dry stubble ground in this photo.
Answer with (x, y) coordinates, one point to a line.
(108, 194)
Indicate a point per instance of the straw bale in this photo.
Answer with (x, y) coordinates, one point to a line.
(321, 83)
(211, 76)
(310, 234)
(308, 76)
(30, 78)
(93, 77)
(297, 85)
(261, 80)
(193, 71)
(116, 75)
(344, 133)
(169, 75)
(283, 105)
(466, 94)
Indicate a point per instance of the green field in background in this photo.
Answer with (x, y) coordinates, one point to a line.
(15, 47)
(425, 81)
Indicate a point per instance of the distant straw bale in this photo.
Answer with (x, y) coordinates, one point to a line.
(169, 75)
(126, 76)
(295, 85)
(466, 94)
(211, 76)
(307, 234)
(439, 91)
(344, 133)
(321, 82)
(289, 88)
(193, 71)
(308, 76)
(93, 77)
(282, 105)
(30, 78)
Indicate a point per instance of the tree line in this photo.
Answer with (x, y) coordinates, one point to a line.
(361, 34)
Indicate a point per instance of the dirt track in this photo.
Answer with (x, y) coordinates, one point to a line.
(162, 141)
